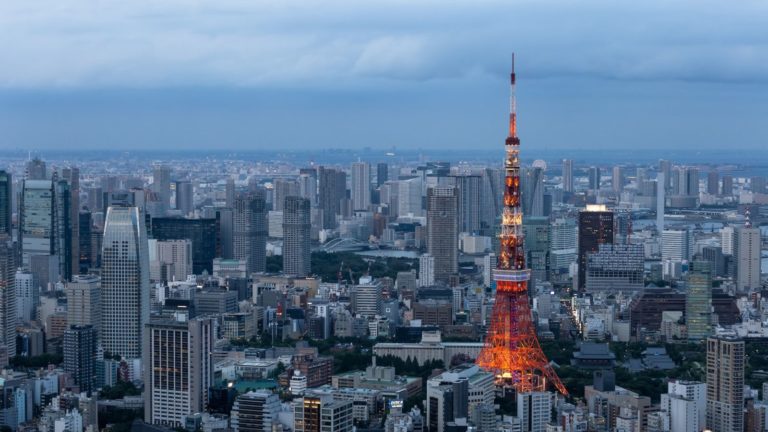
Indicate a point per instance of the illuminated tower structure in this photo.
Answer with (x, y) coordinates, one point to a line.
(512, 350)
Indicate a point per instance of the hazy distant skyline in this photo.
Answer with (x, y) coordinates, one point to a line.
(244, 75)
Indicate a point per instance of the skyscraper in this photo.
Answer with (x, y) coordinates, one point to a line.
(184, 197)
(8, 314)
(80, 356)
(72, 176)
(382, 173)
(727, 186)
(84, 301)
(409, 197)
(6, 202)
(665, 167)
(532, 182)
(698, 301)
(27, 296)
(308, 187)
(568, 175)
(229, 192)
(728, 239)
(746, 253)
(250, 230)
(426, 270)
(470, 190)
(296, 239)
(283, 188)
(617, 179)
(593, 175)
(124, 282)
(443, 230)
(725, 384)
(37, 220)
(161, 184)
(36, 170)
(333, 188)
(361, 185)
(713, 180)
(203, 233)
(178, 368)
(677, 245)
(595, 228)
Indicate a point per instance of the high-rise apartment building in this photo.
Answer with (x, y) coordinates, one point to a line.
(361, 185)
(617, 179)
(568, 175)
(725, 384)
(426, 270)
(442, 230)
(283, 188)
(250, 230)
(296, 236)
(409, 197)
(80, 355)
(728, 239)
(255, 411)
(308, 187)
(178, 368)
(84, 301)
(333, 189)
(595, 228)
(746, 253)
(698, 301)
(124, 282)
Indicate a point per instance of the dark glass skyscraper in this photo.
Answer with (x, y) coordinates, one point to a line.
(595, 228)
(296, 226)
(250, 230)
(443, 230)
(6, 202)
(203, 233)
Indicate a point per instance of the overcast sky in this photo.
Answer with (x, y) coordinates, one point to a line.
(245, 74)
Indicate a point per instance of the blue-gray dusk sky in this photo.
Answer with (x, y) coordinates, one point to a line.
(255, 75)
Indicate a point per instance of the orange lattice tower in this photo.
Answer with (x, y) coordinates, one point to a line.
(511, 349)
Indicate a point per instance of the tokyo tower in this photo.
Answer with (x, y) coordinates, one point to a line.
(512, 350)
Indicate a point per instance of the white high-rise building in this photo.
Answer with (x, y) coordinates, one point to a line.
(727, 238)
(361, 185)
(534, 410)
(747, 257)
(676, 245)
(426, 270)
(409, 197)
(367, 297)
(178, 368)
(695, 391)
(125, 287)
(568, 175)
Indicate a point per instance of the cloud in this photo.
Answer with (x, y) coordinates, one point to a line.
(300, 44)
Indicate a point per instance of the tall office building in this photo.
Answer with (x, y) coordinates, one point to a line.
(178, 368)
(615, 267)
(532, 183)
(283, 188)
(727, 185)
(361, 185)
(185, 197)
(161, 184)
(713, 183)
(382, 173)
(84, 301)
(124, 282)
(250, 230)
(80, 355)
(367, 298)
(229, 192)
(617, 179)
(534, 410)
(170, 260)
(72, 177)
(746, 253)
(677, 245)
(443, 230)
(8, 314)
(426, 270)
(87, 258)
(255, 411)
(65, 245)
(409, 197)
(203, 233)
(725, 384)
(470, 190)
(296, 237)
(568, 175)
(595, 228)
(322, 414)
(36, 170)
(6, 202)
(593, 177)
(698, 301)
(333, 189)
(37, 220)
